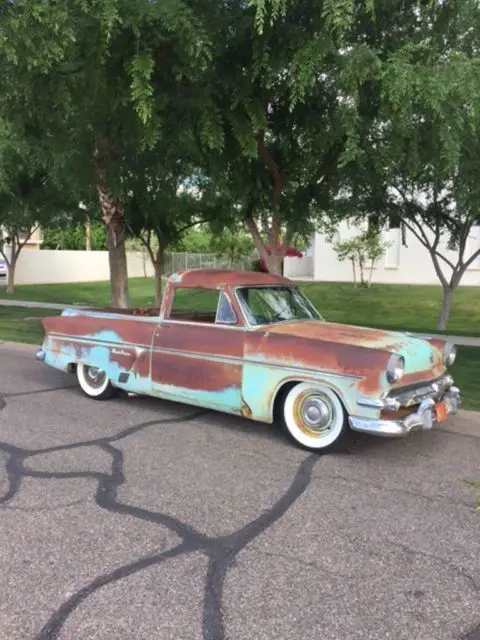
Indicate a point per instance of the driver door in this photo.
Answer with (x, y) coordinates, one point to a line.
(197, 351)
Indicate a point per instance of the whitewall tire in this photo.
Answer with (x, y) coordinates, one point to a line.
(313, 417)
(94, 382)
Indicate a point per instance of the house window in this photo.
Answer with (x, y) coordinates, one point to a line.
(202, 305)
(392, 254)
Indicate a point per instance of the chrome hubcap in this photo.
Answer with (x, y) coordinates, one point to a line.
(95, 376)
(316, 413)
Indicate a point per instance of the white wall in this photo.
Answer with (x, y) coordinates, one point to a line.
(400, 265)
(298, 267)
(44, 267)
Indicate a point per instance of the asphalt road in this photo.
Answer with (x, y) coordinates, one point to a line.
(143, 519)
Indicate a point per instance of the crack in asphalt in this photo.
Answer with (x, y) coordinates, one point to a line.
(33, 393)
(473, 634)
(221, 551)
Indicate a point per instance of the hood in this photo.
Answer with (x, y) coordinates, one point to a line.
(419, 354)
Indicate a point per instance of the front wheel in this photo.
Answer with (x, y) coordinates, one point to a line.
(94, 382)
(314, 418)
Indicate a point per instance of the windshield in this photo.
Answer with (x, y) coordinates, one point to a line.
(264, 305)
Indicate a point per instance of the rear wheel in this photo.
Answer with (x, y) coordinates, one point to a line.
(94, 382)
(314, 418)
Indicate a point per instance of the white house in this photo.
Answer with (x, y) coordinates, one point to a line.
(33, 242)
(400, 265)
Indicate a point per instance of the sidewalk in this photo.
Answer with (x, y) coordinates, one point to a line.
(463, 341)
(37, 305)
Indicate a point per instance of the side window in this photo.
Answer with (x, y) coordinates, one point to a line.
(194, 305)
(225, 313)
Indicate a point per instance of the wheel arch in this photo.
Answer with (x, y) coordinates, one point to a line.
(285, 386)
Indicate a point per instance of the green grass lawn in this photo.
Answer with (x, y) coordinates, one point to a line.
(24, 325)
(403, 307)
(466, 372)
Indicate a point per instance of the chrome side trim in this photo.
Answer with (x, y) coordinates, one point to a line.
(189, 323)
(206, 356)
(82, 311)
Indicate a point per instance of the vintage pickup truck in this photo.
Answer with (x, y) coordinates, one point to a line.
(252, 344)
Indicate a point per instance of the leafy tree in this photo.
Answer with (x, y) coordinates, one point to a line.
(104, 79)
(197, 239)
(231, 243)
(75, 236)
(418, 144)
(363, 250)
(282, 141)
(165, 197)
(28, 196)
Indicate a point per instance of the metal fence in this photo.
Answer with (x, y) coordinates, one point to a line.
(182, 261)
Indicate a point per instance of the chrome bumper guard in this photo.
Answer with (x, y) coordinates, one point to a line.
(40, 355)
(424, 418)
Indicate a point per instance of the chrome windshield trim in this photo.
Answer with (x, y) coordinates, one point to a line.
(244, 312)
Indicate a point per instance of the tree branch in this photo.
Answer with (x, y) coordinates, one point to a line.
(272, 166)
(257, 238)
(193, 224)
(471, 259)
(432, 252)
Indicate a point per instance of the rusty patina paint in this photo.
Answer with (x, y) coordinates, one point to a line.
(213, 278)
(198, 358)
(234, 369)
(124, 343)
(202, 339)
(438, 344)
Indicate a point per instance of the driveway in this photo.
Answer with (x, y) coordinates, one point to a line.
(144, 519)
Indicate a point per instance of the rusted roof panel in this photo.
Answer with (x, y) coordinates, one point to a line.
(212, 278)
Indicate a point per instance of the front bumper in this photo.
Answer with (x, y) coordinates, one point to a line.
(423, 418)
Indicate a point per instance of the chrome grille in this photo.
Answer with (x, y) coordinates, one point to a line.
(414, 394)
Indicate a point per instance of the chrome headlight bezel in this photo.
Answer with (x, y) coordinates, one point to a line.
(449, 354)
(395, 368)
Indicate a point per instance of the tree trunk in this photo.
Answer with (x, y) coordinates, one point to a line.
(114, 221)
(88, 235)
(372, 263)
(446, 307)
(117, 258)
(158, 265)
(274, 259)
(274, 264)
(11, 274)
(12, 264)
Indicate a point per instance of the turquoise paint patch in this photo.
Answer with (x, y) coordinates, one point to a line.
(96, 356)
(418, 355)
(228, 400)
(176, 277)
(261, 383)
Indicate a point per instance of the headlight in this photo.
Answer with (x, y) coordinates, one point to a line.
(449, 354)
(395, 368)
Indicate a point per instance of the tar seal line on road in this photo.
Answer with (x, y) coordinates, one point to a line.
(221, 551)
